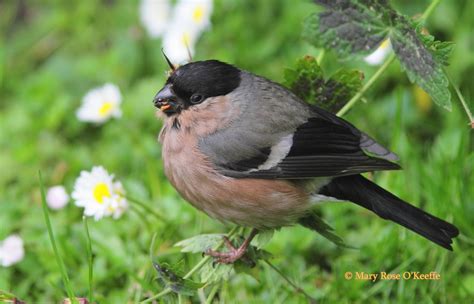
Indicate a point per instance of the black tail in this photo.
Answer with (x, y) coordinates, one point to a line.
(357, 189)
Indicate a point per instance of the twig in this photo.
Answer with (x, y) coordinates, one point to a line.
(193, 270)
(296, 287)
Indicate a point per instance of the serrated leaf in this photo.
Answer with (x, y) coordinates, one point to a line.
(339, 89)
(422, 61)
(262, 238)
(168, 277)
(306, 80)
(348, 26)
(200, 243)
(359, 26)
(211, 272)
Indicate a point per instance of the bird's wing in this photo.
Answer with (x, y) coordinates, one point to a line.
(324, 145)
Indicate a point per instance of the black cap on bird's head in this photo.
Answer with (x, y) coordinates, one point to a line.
(192, 83)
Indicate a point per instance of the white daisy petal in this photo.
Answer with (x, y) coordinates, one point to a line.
(98, 194)
(154, 15)
(190, 19)
(57, 197)
(11, 250)
(379, 55)
(100, 104)
(178, 44)
(194, 13)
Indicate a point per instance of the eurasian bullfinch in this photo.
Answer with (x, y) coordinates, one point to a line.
(246, 150)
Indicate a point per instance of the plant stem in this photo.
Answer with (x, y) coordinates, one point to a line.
(49, 227)
(296, 287)
(147, 208)
(463, 102)
(320, 57)
(212, 293)
(193, 270)
(430, 9)
(89, 257)
(366, 86)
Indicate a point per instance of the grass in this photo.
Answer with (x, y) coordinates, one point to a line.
(52, 54)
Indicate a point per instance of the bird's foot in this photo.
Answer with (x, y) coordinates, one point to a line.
(229, 257)
(233, 254)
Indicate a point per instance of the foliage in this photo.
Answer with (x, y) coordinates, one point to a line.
(168, 277)
(307, 81)
(360, 26)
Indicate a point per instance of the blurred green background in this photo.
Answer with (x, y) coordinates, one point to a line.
(53, 52)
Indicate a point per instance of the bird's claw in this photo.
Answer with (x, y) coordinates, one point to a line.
(226, 257)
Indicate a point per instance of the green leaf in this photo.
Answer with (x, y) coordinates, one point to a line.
(307, 81)
(200, 243)
(314, 222)
(169, 278)
(423, 58)
(359, 26)
(348, 26)
(339, 89)
(211, 272)
(6, 297)
(262, 238)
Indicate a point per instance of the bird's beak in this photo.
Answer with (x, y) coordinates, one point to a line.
(165, 100)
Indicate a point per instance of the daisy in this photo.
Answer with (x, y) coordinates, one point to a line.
(99, 195)
(154, 15)
(195, 14)
(11, 250)
(178, 44)
(379, 55)
(57, 197)
(100, 104)
(190, 19)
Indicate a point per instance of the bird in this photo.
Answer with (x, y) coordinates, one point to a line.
(245, 150)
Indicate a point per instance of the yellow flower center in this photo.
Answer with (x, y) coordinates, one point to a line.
(101, 190)
(198, 13)
(384, 44)
(106, 108)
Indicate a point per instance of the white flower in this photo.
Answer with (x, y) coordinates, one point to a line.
(379, 55)
(195, 14)
(178, 44)
(100, 196)
(154, 15)
(11, 250)
(100, 104)
(57, 197)
(190, 19)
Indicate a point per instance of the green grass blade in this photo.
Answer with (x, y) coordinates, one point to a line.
(59, 260)
(147, 208)
(89, 257)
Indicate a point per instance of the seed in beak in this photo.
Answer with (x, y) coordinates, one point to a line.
(165, 107)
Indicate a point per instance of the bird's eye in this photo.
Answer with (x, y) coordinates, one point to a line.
(196, 98)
